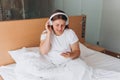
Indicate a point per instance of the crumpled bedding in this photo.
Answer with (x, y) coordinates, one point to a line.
(72, 70)
(63, 72)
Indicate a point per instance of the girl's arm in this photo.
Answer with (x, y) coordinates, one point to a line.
(45, 44)
(75, 51)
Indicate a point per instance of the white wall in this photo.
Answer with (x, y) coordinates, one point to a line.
(110, 27)
(71, 7)
(57, 4)
(93, 10)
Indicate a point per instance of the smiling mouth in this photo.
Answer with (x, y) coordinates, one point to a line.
(59, 30)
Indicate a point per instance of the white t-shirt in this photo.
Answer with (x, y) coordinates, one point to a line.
(60, 44)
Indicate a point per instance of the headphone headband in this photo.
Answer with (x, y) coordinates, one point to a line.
(59, 13)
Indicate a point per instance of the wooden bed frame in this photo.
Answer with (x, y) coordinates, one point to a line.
(26, 33)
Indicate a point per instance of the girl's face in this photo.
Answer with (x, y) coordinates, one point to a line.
(59, 26)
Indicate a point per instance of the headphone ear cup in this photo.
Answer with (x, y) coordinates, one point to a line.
(66, 23)
(50, 22)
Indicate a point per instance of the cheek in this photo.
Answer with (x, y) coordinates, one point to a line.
(54, 28)
(63, 27)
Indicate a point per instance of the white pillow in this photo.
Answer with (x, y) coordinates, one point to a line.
(85, 52)
(17, 54)
(29, 61)
(29, 56)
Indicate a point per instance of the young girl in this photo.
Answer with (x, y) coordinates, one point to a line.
(58, 42)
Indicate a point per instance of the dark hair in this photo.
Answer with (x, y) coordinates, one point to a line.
(60, 16)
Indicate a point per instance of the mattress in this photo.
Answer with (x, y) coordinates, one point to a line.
(96, 60)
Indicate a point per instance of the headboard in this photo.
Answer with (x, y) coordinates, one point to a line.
(26, 33)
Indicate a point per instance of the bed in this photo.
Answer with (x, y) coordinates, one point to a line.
(26, 33)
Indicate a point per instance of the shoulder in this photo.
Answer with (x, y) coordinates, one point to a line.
(69, 31)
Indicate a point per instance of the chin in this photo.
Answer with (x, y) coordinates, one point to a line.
(59, 33)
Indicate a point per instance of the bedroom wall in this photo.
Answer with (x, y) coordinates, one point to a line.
(93, 10)
(110, 26)
(67, 6)
(57, 4)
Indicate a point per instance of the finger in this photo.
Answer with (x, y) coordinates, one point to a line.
(66, 55)
(63, 53)
(47, 23)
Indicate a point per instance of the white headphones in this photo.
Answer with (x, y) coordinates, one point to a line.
(59, 13)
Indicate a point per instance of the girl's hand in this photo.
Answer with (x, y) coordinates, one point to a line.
(66, 54)
(48, 27)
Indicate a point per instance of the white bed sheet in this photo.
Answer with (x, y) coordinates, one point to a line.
(96, 60)
(103, 61)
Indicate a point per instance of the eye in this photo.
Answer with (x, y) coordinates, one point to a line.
(63, 25)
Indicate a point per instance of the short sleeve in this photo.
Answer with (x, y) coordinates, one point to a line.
(72, 37)
(43, 35)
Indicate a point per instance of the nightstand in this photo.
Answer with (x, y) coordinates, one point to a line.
(95, 47)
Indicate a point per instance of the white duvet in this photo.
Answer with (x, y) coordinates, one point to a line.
(35, 67)
(72, 70)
